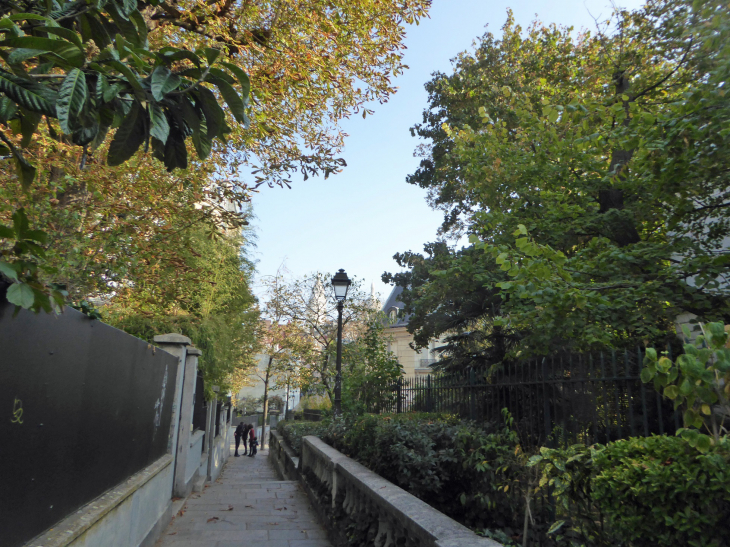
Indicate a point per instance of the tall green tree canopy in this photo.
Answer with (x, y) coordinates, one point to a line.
(89, 67)
(451, 294)
(129, 130)
(591, 170)
(157, 70)
(215, 90)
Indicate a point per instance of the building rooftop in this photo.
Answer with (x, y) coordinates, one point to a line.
(394, 306)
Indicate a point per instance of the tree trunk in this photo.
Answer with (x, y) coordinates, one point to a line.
(325, 382)
(266, 403)
(286, 403)
(619, 229)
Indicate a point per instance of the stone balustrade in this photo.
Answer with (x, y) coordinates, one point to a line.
(283, 458)
(371, 509)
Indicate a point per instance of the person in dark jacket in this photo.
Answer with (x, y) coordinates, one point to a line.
(239, 434)
(244, 438)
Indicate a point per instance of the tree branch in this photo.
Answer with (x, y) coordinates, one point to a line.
(676, 68)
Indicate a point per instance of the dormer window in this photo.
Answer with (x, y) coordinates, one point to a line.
(393, 314)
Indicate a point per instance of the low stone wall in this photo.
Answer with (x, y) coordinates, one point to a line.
(193, 461)
(221, 450)
(283, 458)
(133, 514)
(361, 508)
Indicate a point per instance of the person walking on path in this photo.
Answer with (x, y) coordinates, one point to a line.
(252, 442)
(246, 429)
(239, 433)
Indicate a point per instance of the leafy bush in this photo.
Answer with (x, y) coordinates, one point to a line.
(294, 431)
(315, 402)
(635, 492)
(641, 491)
(495, 481)
(470, 472)
(698, 382)
(417, 455)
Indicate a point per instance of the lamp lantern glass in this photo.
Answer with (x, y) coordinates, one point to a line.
(341, 283)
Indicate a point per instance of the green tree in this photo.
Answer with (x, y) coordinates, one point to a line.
(248, 405)
(284, 345)
(308, 303)
(368, 370)
(256, 85)
(451, 294)
(90, 66)
(591, 172)
(213, 306)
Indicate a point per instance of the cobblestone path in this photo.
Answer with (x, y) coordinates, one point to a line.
(246, 506)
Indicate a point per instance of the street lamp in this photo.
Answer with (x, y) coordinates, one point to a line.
(341, 283)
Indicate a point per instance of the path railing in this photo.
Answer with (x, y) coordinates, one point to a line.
(373, 510)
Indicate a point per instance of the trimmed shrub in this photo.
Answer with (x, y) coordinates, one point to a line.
(662, 490)
(635, 492)
(642, 491)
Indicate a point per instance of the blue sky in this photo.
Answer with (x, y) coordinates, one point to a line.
(358, 219)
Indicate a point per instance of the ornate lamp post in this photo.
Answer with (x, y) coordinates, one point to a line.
(341, 283)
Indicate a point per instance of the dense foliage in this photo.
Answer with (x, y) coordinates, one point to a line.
(214, 307)
(90, 66)
(255, 85)
(591, 173)
(294, 431)
(452, 294)
(635, 492)
(369, 369)
(698, 383)
(128, 132)
(640, 491)
(473, 474)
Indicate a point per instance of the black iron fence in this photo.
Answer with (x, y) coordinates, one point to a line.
(555, 401)
(312, 415)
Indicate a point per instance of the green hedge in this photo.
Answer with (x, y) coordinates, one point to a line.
(466, 471)
(641, 491)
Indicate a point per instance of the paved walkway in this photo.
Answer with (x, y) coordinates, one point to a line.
(247, 506)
